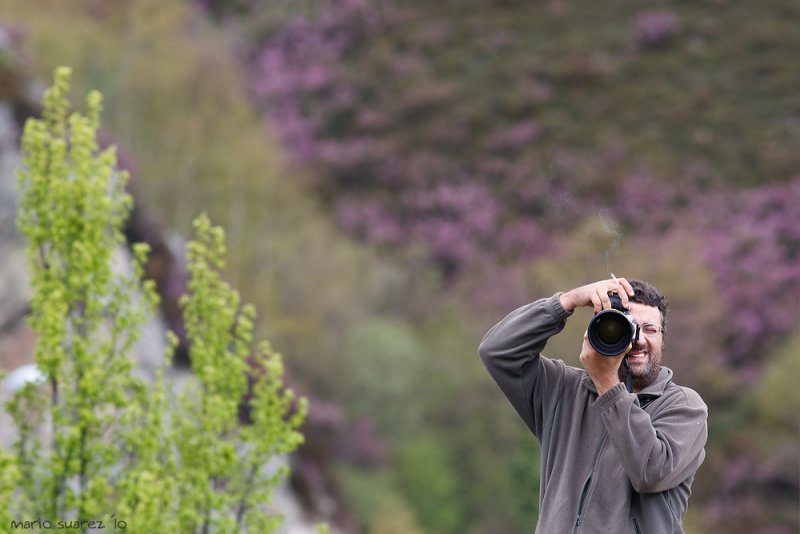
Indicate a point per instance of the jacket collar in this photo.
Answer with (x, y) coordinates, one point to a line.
(656, 389)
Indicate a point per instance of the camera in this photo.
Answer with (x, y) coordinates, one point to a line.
(610, 331)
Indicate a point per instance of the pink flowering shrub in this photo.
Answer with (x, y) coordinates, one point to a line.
(654, 28)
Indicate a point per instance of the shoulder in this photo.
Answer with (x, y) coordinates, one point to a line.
(682, 396)
(568, 377)
(562, 368)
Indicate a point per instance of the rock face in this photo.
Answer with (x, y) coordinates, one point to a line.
(18, 341)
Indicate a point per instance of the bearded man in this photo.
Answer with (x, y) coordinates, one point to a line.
(612, 461)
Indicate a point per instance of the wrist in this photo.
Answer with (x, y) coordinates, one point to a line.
(567, 301)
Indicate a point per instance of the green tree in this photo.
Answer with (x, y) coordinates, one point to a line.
(96, 442)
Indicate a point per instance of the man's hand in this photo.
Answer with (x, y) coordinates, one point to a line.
(596, 295)
(603, 370)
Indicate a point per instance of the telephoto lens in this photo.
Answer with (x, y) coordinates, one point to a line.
(611, 331)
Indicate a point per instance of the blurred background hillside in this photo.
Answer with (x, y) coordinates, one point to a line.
(396, 176)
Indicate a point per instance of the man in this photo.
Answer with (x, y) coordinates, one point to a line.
(612, 461)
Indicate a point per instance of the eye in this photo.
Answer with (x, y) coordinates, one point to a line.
(650, 329)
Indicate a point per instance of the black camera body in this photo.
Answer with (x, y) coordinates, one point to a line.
(611, 331)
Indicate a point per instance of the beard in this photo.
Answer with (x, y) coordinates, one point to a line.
(643, 372)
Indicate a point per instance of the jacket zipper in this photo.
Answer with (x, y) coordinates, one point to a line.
(636, 525)
(582, 502)
(587, 486)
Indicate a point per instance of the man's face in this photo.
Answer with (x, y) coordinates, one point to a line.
(644, 358)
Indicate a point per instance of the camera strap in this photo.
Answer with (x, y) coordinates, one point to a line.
(628, 377)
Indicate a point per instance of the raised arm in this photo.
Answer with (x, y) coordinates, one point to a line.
(511, 352)
(512, 349)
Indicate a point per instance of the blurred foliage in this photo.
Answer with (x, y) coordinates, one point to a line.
(777, 399)
(486, 126)
(376, 505)
(92, 436)
(177, 104)
(492, 132)
(388, 353)
(87, 315)
(483, 154)
(424, 472)
(756, 454)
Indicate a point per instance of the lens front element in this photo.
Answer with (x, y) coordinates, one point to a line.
(610, 329)
(610, 332)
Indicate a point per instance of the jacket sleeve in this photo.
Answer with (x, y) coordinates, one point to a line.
(659, 453)
(511, 352)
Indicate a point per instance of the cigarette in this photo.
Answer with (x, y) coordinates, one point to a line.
(614, 278)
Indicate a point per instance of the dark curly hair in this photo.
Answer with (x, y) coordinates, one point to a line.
(649, 295)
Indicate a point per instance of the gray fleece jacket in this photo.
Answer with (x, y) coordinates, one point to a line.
(619, 463)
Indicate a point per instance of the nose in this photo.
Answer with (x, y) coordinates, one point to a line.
(640, 341)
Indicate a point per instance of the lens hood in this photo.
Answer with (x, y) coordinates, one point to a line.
(611, 331)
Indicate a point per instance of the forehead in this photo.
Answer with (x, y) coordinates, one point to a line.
(644, 314)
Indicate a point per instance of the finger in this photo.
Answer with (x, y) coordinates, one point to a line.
(627, 285)
(597, 304)
(605, 302)
(613, 287)
(622, 292)
(597, 300)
